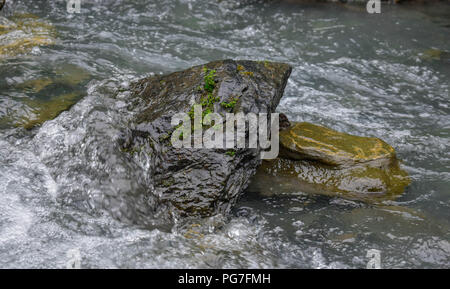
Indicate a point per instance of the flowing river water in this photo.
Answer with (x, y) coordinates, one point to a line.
(384, 75)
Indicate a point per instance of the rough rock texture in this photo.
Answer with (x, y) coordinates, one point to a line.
(319, 160)
(201, 181)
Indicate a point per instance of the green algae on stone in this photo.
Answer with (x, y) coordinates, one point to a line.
(35, 85)
(22, 32)
(435, 54)
(316, 159)
(306, 141)
(206, 181)
(46, 97)
(43, 110)
(66, 75)
(188, 86)
(362, 182)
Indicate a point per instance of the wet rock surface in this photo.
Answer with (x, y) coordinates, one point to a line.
(319, 160)
(46, 97)
(200, 181)
(362, 182)
(307, 141)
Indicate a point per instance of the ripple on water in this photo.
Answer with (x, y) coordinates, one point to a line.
(64, 185)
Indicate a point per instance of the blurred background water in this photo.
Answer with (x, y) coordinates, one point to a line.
(383, 75)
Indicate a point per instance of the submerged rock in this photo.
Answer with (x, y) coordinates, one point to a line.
(319, 160)
(363, 182)
(21, 33)
(43, 110)
(46, 97)
(201, 181)
(435, 54)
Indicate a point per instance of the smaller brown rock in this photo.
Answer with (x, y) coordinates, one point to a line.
(307, 141)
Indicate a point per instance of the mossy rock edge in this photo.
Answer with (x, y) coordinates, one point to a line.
(315, 159)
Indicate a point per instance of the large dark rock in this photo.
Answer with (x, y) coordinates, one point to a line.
(201, 181)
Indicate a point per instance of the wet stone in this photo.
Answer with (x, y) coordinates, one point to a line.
(201, 182)
(318, 160)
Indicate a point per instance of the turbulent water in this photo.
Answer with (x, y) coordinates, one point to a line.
(65, 187)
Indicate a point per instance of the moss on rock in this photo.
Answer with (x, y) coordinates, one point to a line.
(307, 141)
(43, 110)
(46, 97)
(205, 181)
(22, 32)
(319, 160)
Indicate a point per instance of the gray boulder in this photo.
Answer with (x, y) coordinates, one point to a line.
(201, 182)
